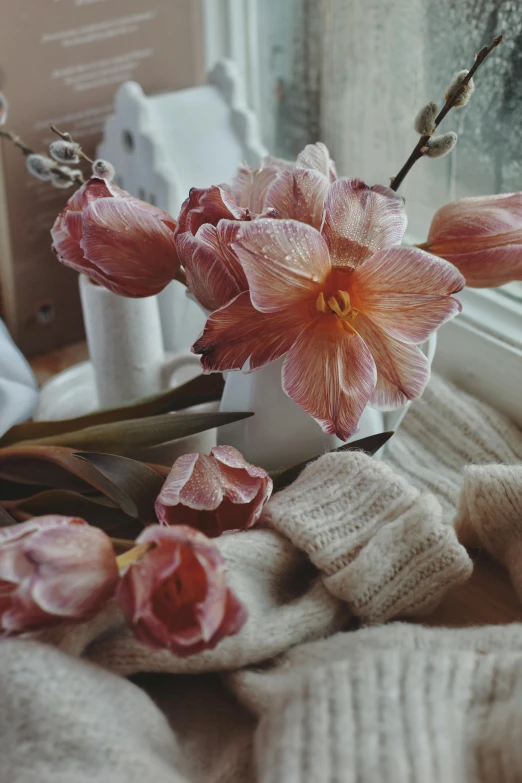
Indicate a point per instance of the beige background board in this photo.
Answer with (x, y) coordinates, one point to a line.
(61, 61)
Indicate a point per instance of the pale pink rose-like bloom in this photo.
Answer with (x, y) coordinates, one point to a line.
(214, 493)
(117, 240)
(53, 570)
(345, 304)
(176, 595)
(482, 236)
(210, 219)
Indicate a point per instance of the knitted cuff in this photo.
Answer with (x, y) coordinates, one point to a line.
(380, 544)
(489, 515)
(391, 716)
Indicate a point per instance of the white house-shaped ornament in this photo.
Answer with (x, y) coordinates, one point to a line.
(163, 145)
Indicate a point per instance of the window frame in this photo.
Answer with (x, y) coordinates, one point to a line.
(481, 349)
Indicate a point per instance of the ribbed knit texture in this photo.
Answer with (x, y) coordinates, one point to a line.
(443, 432)
(302, 696)
(379, 542)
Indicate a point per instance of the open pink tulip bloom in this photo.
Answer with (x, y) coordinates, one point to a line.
(117, 240)
(176, 595)
(214, 493)
(482, 236)
(210, 219)
(53, 569)
(346, 307)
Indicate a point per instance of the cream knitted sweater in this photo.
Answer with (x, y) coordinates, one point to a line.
(354, 541)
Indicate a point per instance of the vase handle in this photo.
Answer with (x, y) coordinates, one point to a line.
(184, 365)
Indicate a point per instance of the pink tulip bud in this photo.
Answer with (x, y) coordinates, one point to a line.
(53, 570)
(214, 493)
(120, 242)
(175, 595)
(482, 237)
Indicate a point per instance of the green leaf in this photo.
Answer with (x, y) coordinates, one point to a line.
(126, 437)
(141, 483)
(369, 445)
(127, 483)
(96, 511)
(203, 388)
(5, 518)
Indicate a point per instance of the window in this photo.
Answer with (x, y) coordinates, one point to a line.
(354, 73)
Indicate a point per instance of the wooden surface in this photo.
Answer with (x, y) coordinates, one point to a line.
(486, 598)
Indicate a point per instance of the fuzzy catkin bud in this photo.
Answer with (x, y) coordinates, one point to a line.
(59, 181)
(4, 106)
(65, 151)
(424, 122)
(454, 87)
(40, 166)
(103, 169)
(438, 146)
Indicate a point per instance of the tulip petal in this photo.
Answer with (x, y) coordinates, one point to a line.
(489, 267)
(207, 205)
(299, 195)
(317, 157)
(360, 220)
(403, 371)
(331, 374)
(482, 217)
(77, 571)
(129, 245)
(214, 274)
(238, 333)
(249, 187)
(405, 291)
(285, 262)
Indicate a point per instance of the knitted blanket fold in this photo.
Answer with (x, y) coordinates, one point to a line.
(300, 694)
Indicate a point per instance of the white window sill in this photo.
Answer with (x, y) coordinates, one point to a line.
(481, 350)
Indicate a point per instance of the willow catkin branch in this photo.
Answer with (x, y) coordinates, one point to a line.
(451, 101)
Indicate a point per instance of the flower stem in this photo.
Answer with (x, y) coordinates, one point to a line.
(417, 153)
(128, 558)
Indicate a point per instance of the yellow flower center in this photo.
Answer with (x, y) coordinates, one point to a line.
(338, 304)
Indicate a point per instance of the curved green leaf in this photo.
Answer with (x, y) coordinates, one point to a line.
(96, 511)
(125, 437)
(203, 388)
(369, 445)
(129, 484)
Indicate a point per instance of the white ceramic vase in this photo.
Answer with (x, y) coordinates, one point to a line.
(281, 434)
(125, 344)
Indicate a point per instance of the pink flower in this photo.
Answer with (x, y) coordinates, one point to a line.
(214, 493)
(210, 219)
(346, 307)
(117, 240)
(176, 596)
(482, 237)
(53, 569)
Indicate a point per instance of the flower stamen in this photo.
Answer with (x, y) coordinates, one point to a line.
(339, 304)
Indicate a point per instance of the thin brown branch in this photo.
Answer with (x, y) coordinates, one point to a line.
(417, 153)
(17, 141)
(57, 169)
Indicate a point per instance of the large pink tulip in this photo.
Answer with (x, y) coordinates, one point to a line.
(346, 306)
(175, 596)
(482, 236)
(210, 219)
(53, 569)
(214, 493)
(117, 240)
